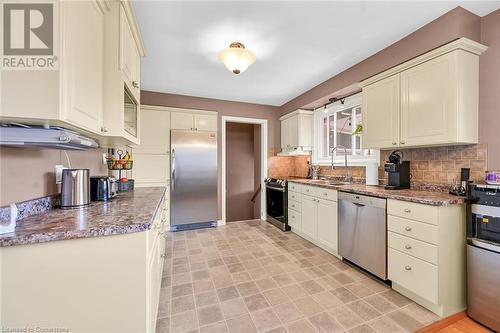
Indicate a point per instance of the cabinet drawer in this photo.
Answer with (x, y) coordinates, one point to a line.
(295, 205)
(294, 219)
(413, 274)
(414, 211)
(327, 194)
(414, 229)
(294, 196)
(309, 190)
(294, 187)
(416, 248)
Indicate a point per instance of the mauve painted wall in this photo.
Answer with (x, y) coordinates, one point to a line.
(224, 108)
(489, 88)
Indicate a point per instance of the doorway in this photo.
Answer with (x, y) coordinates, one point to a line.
(244, 163)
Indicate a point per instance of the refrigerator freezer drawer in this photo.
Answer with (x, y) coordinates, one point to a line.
(483, 289)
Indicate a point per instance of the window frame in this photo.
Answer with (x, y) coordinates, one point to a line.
(353, 159)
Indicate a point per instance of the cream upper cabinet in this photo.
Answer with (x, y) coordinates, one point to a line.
(327, 223)
(430, 100)
(82, 64)
(296, 132)
(194, 121)
(381, 127)
(155, 131)
(130, 57)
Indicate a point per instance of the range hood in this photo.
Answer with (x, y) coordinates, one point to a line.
(18, 135)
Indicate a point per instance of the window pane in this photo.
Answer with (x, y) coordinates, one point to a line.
(344, 132)
(359, 122)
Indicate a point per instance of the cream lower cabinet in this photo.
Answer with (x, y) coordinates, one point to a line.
(98, 284)
(426, 254)
(427, 101)
(312, 214)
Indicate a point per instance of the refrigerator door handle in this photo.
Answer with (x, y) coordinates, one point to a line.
(172, 186)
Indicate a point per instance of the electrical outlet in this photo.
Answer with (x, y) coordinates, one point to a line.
(58, 171)
(104, 158)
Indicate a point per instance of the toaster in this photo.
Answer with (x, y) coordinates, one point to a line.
(103, 188)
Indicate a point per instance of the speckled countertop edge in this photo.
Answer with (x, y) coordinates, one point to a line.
(431, 198)
(102, 220)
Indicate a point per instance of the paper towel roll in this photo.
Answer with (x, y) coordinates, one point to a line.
(372, 173)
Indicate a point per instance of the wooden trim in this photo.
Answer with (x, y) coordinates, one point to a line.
(132, 21)
(443, 323)
(459, 44)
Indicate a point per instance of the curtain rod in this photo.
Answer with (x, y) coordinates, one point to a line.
(332, 100)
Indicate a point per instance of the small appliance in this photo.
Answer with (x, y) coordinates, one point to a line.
(75, 188)
(461, 189)
(398, 171)
(483, 254)
(103, 188)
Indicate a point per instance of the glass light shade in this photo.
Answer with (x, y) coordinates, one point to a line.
(237, 58)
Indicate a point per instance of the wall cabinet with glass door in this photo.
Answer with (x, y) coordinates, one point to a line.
(430, 100)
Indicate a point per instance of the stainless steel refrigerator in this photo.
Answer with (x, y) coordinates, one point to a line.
(193, 179)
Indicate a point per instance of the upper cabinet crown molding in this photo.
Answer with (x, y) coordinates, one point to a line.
(459, 44)
(296, 112)
(132, 21)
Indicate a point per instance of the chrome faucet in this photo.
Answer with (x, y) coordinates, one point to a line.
(347, 178)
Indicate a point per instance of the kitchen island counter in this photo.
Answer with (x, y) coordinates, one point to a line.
(432, 198)
(129, 212)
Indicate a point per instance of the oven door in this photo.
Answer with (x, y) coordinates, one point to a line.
(275, 201)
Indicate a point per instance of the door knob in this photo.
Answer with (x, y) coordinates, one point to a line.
(408, 228)
(408, 268)
(407, 210)
(408, 247)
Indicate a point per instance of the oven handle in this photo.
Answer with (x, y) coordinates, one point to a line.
(485, 210)
(280, 189)
(483, 244)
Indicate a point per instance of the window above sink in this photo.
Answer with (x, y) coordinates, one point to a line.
(340, 123)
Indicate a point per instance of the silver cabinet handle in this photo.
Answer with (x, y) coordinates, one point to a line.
(161, 233)
(104, 129)
(403, 142)
(196, 128)
(293, 205)
(163, 255)
(408, 228)
(408, 268)
(135, 84)
(394, 143)
(408, 247)
(325, 194)
(407, 210)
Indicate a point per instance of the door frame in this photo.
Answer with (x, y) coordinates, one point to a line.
(263, 159)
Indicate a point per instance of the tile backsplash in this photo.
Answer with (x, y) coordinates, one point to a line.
(432, 166)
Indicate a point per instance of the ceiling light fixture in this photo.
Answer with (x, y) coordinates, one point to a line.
(236, 57)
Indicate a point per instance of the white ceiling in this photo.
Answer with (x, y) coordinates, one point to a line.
(297, 44)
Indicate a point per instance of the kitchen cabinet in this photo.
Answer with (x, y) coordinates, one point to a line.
(426, 254)
(194, 121)
(122, 52)
(312, 214)
(71, 94)
(115, 278)
(296, 132)
(427, 101)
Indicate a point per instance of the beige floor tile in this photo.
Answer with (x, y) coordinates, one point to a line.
(265, 320)
(206, 298)
(247, 288)
(362, 329)
(324, 323)
(280, 329)
(219, 327)
(300, 326)
(275, 296)
(163, 325)
(181, 304)
(421, 314)
(308, 306)
(266, 284)
(210, 314)
(295, 291)
(256, 302)
(327, 300)
(184, 322)
(182, 289)
(344, 295)
(241, 277)
(385, 324)
(396, 298)
(200, 286)
(299, 276)
(406, 321)
(380, 303)
(359, 289)
(233, 308)
(287, 312)
(243, 324)
(346, 317)
(164, 307)
(342, 278)
(200, 275)
(312, 287)
(227, 293)
(364, 310)
(182, 278)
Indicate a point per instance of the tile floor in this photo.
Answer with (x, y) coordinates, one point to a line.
(250, 277)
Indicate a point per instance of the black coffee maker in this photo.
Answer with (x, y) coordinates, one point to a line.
(398, 171)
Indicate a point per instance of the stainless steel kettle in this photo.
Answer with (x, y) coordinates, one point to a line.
(75, 188)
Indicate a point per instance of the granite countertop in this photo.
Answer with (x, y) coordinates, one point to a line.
(417, 196)
(127, 213)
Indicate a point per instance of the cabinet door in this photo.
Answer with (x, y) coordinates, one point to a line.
(151, 169)
(309, 216)
(129, 56)
(427, 103)
(82, 64)
(293, 131)
(155, 132)
(182, 120)
(381, 113)
(205, 122)
(285, 135)
(327, 224)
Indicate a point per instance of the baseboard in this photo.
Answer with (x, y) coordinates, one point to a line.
(221, 223)
(443, 323)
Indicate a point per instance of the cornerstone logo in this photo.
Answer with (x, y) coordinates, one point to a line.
(29, 36)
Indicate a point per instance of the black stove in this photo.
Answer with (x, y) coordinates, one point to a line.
(277, 202)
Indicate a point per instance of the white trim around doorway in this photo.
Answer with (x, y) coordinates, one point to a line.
(263, 160)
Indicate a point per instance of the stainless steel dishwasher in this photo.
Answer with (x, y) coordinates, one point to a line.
(363, 232)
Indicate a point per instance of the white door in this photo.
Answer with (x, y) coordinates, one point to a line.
(327, 224)
(205, 122)
(82, 64)
(428, 103)
(155, 132)
(309, 216)
(182, 120)
(381, 113)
